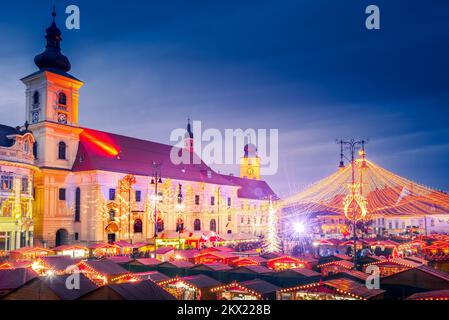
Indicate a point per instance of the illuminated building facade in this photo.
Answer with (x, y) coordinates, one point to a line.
(16, 189)
(93, 186)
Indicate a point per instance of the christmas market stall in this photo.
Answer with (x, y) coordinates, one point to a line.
(105, 272)
(334, 267)
(142, 264)
(141, 290)
(336, 289)
(175, 268)
(99, 250)
(51, 287)
(287, 262)
(155, 276)
(214, 257)
(392, 266)
(29, 253)
(256, 289)
(295, 276)
(414, 280)
(248, 261)
(74, 251)
(196, 287)
(54, 265)
(217, 270)
(249, 272)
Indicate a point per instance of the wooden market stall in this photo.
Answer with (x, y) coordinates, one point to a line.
(73, 250)
(336, 289)
(51, 288)
(256, 289)
(29, 253)
(248, 261)
(392, 266)
(54, 265)
(334, 267)
(99, 250)
(141, 290)
(214, 257)
(287, 262)
(195, 287)
(105, 272)
(437, 295)
(11, 279)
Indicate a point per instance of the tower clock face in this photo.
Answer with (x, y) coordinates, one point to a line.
(35, 117)
(62, 118)
(250, 171)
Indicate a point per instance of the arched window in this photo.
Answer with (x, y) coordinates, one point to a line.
(77, 205)
(137, 226)
(213, 225)
(62, 150)
(36, 99)
(62, 99)
(197, 225)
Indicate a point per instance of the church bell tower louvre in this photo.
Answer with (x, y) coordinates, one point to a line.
(52, 104)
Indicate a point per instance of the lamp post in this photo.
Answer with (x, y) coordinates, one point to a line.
(155, 180)
(352, 146)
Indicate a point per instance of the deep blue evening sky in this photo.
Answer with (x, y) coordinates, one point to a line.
(308, 68)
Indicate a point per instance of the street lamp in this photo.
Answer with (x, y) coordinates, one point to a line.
(352, 146)
(155, 180)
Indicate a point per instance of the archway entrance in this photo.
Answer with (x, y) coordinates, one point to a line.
(62, 237)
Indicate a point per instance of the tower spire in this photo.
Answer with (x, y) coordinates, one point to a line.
(52, 58)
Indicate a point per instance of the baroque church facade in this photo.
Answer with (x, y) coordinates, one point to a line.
(63, 183)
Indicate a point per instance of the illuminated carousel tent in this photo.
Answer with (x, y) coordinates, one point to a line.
(383, 193)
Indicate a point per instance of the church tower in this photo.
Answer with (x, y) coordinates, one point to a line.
(250, 163)
(52, 104)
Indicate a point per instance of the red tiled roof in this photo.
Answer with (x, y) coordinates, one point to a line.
(100, 150)
(105, 151)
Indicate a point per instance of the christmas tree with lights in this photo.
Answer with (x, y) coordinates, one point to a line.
(272, 241)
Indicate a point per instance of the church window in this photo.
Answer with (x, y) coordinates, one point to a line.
(212, 201)
(138, 195)
(62, 150)
(197, 199)
(62, 99)
(197, 225)
(229, 202)
(36, 99)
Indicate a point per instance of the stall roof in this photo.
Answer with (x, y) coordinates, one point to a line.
(141, 290)
(57, 284)
(11, 279)
(353, 287)
(213, 266)
(149, 261)
(105, 267)
(260, 286)
(201, 281)
(252, 269)
(120, 259)
(299, 271)
(177, 264)
(155, 276)
(430, 295)
(58, 263)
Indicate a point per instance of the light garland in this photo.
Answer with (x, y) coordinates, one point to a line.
(385, 193)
